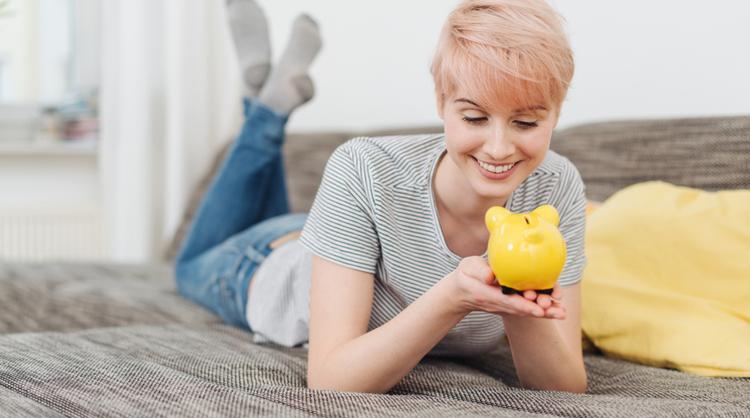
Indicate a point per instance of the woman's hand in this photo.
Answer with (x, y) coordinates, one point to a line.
(476, 289)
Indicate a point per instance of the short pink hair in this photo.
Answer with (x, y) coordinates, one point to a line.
(504, 53)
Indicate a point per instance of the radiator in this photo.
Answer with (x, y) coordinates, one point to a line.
(52, 235)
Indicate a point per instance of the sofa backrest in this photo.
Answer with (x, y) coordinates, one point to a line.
(706, 153)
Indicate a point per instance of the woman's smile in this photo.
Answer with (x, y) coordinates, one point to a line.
(493, 172)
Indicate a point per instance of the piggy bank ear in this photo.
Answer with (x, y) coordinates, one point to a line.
(548, 213)
(494, 216)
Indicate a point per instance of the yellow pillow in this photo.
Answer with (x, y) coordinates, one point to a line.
(668, 278)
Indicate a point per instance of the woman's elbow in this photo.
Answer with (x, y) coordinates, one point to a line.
(317, 382)
(578, 386)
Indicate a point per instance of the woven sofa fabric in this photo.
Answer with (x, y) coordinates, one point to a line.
(72, 296)
(705, 153)
(215, 370)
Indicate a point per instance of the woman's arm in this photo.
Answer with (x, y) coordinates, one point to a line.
(547, 353)
(344, 356)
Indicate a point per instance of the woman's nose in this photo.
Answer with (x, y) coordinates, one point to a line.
(499, 144)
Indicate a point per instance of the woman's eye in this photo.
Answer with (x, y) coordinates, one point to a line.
(525, 125)
(475, 121)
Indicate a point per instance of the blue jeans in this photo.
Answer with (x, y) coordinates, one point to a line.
(242, 212)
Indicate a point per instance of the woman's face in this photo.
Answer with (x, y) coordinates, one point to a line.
(495, 150)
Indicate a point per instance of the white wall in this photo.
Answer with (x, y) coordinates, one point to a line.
(635, 59)
(658, 58)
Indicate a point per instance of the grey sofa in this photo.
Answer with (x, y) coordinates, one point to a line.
(117, 340)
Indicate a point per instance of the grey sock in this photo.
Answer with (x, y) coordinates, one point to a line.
(250, 34)
(289, 85)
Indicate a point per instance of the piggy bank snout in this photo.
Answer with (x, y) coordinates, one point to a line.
(533, 235)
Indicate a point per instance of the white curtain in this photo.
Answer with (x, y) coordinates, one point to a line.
(170, 96)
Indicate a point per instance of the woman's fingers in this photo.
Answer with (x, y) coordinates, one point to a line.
(545, 301)
(544, 306)
(486, 295)
(522, 305)
(555, 308)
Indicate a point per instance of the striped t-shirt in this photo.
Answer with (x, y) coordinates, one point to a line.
(375, 212)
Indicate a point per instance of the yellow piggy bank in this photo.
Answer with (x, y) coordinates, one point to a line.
(525, 250)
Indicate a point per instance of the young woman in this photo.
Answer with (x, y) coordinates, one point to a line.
(391, 262)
